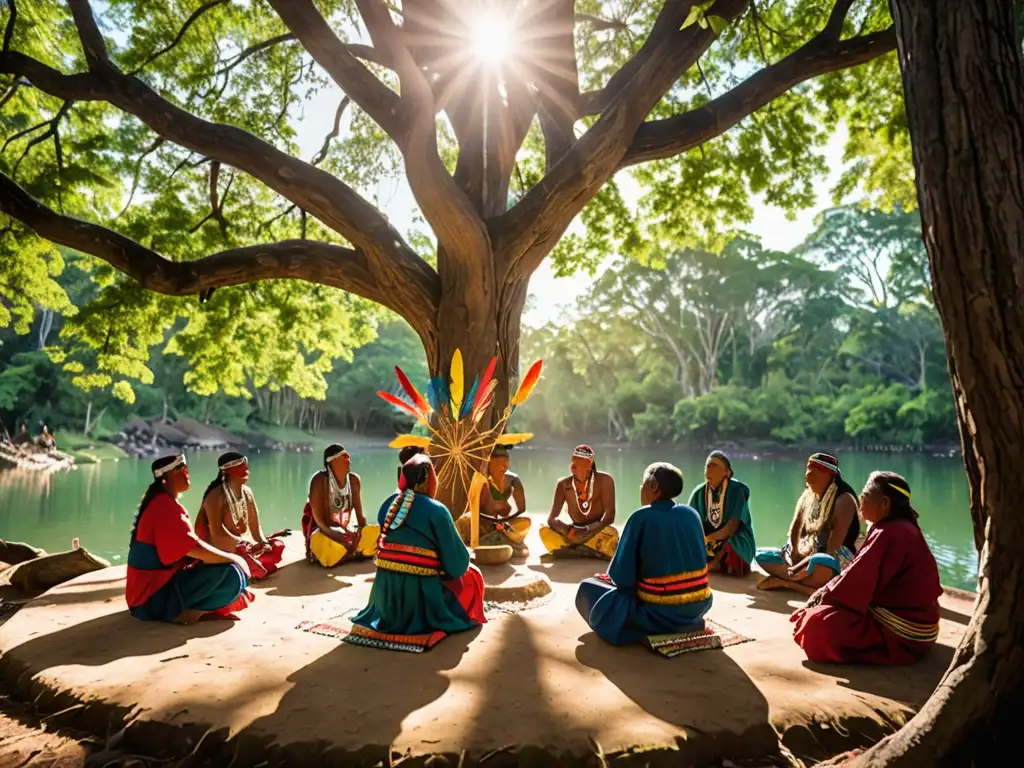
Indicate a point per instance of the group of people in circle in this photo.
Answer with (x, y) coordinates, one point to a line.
(870, 599)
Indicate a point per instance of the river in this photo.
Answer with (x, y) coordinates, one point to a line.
(95, 503)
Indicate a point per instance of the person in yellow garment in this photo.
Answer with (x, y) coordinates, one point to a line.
(335, 496)
(498, 523)
(589, 497)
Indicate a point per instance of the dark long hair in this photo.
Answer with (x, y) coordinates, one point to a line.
(899, 500)
(220, 479)
(405, 454)
(155, 487)
(853, 533)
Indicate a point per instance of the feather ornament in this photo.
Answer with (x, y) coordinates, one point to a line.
(457, 383)
(528, 383)
(467, 404)
(402, 406)
(483, 399)
(410, 441)
(418, 400)
(516, 438)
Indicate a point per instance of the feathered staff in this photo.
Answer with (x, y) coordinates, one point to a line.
(455, 434)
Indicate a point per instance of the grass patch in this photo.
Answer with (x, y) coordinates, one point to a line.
(87, 450)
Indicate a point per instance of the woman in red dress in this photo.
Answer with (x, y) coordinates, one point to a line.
(884, 608)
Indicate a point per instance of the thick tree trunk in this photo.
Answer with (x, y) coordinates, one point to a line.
(481, 324)
(964, 83)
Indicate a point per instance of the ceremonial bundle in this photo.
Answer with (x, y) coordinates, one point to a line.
(454, 416)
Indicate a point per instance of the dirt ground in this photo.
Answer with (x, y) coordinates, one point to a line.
(530, 688)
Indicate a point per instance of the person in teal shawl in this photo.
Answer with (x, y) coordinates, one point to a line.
(723, 504)
(425, 587)
(657, 583)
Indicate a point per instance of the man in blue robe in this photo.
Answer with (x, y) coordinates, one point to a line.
(657, 583)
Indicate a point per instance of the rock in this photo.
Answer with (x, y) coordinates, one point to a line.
(15, 552)
(46, 571)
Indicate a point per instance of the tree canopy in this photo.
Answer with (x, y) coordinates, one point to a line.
(167, 143)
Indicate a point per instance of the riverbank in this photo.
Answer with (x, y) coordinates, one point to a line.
(535, 687)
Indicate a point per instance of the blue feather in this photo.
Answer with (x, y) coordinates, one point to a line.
(432, 397)
(467, 403)
(440, 387)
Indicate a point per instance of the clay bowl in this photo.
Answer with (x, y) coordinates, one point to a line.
(493, 555)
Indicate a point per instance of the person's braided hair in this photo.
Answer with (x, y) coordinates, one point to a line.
(157, 486)
(897, 490)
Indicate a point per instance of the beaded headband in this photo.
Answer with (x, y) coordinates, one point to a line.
(583, 452)
(823, 460)
(337, 455)
(178, 463)
(234, 463)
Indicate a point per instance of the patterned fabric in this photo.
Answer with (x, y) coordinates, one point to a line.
(393, 642)
(712, 636)
(904, 628)
(677, 589)
(418, 561)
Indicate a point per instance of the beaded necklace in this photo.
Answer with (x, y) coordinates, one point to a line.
(714, 508)
(238, 507)
(584, 497)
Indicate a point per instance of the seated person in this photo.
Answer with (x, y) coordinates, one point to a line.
(334, 497)
(657, 582)
(589, 496)
(425, 587)
(884, 607)
(822, 536)
(172, 574)
(228, 512)
(723, 504)
(404, 455)
(498, 523)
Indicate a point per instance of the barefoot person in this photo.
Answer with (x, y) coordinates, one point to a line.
(822, 536)
(499, 524)
(723, 503)
(172, 574)
(425, 587)
(335, 502)
(228, 512)
(657, 582)
(589, 496)
(884, 607)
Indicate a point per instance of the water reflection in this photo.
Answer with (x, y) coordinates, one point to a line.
(96, 502)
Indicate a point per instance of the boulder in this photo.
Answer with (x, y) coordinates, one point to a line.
(41, 573)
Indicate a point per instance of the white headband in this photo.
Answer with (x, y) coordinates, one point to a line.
(235, 463)
(179, 461)
(581, 454)
(334, 456)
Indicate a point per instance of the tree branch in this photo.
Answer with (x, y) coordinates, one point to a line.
(89, 33)
(834, 25)
(597, 24)
(252, 50)
(315, 262)
(336, 204)
(320, 156)
(181, 33)
(659, 139)
(351, 75)
(9, 29)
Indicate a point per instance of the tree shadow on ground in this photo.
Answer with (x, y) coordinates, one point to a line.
(705, 693)
(70, 597)
(107, 638)
(300, 579)
(496, 574)
(350, 695)
(569, 570)
(775, 600)
(947, 614)
(892, 682)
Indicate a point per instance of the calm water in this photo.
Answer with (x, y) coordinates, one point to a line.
(96, 503)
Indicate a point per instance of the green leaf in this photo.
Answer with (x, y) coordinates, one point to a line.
(696, 14)
(718, 24)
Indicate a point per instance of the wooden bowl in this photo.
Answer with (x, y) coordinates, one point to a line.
(493, 555)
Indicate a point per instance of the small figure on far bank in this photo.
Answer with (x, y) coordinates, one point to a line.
(884, 607)
(589, 498)
(335, 503)
(657, 582)
(228, 512)
(23, 437)
(45, 440)
(172, 574)
(822, 536)
(723, 503)
(498, 523)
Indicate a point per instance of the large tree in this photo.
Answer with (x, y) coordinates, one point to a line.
(964, 78)
(501, 156)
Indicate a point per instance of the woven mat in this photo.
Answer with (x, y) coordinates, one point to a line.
(714, 636)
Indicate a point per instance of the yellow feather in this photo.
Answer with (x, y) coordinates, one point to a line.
(514, 439)
(457, 383)
(407, 441)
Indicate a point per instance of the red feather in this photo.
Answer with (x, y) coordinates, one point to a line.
(528, 383)
(483, 399)
(400, 403)
(484, 381)
(418, 400)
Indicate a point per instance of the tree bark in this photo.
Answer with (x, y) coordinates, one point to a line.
(964, 83)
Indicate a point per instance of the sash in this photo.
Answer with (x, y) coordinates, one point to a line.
(676, 589)
(401, 558)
